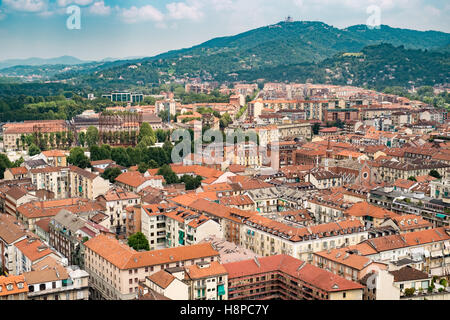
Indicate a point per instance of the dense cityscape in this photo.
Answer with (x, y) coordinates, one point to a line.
(139, 183)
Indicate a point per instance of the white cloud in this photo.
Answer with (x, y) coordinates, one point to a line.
(99, 8)
(181, 10)
(145, 13)
(27, 5)
(65, 3)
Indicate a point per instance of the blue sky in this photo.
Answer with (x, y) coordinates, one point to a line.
(112, 28)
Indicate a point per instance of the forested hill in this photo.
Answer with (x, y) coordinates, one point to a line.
(377, 67)
(258, 51)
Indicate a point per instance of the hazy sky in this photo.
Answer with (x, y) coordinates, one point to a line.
(113, 28)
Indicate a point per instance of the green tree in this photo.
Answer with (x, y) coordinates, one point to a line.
(191, 183)
(435, 174)
(120, 156)
(138, 241)
(143, 167)
(82, 138)
(412, 178)
(100, 153)
(316, 128)
(153, 164)
(33, 150)
(168, 174)
(149, 101)
(161, 135)
(78, 158)
(5, 163)
(111, 174)
(146, 131)
(92, 136)
(225, 120)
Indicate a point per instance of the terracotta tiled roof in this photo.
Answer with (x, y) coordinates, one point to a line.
(411, 221)
(214, 269)
(125, 257)
(404, 184)
(198, 170)
(308, 273)
(49, 208)
(14, 281)
(238, 200)
(100, 162)
(133, 178)
(408, 273)
(162, 279)
(343, 257)
(46, 270)
(17, 192)
(33, 249)
(217, 187)
(54, 153)
(119, 194)
(10, 229)
(44, 224)
(18, 170)
(363, 208)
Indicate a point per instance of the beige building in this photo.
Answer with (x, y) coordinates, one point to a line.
(390, 171)
(171, 226)
(207, 281)
(49, 280)
(267, 237)
(116, 201)
(116, 269)
(346, 263)
(13, 132)
(11, 232)
(13, 288)
(69, 182)
(168, 283)
(323, 179)
(55, 158)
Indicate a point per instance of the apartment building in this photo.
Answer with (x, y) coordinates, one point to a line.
(168, 283)
(55, 158)
(242, 202)
(172, 226)
(134, 181)
(69, 182)
(29, 252)
(390, 171)
(32, 212)
(15, 197)
(429, 247)
(207, 281)
(368, 214)
(49, 280)
(12, 132)
(230, 219)
(323, 179)
(346, 263)
(115, 269)
(201, 281)
(13, 288)
(11, 232)
(15, 173)
(286, 278)
(68, 231)
(116, 201)
(267, 237)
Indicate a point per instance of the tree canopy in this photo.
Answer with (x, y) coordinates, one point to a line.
(138, 241)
